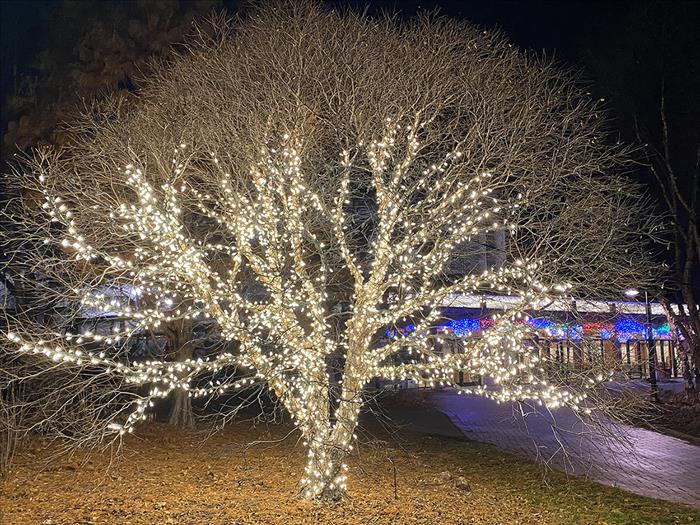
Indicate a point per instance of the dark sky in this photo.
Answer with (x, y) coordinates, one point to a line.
(20, 24)
(580, 33)
(556, 27)
(569, 30)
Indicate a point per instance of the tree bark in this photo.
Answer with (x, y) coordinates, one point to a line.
(180, 341)
(329, 442)
(324, 475)
(181, 410)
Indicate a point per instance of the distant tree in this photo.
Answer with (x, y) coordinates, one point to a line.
(89, 49)
(303, 180)
(651, 72)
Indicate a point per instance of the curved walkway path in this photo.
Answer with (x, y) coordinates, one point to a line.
(631, 458)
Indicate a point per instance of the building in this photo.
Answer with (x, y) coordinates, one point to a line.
(570, 333)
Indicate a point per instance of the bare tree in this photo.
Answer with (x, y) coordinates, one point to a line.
(654, 84)
(305, 179)
(681, 196)
(95, 49)
(88, 49)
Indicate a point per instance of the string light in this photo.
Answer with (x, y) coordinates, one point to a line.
(287, 331)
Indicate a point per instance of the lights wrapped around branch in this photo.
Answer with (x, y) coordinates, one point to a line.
(280, 233)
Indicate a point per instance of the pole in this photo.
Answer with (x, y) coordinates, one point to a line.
(651, 348)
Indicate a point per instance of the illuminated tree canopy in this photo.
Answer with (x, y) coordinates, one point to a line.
(303, 180)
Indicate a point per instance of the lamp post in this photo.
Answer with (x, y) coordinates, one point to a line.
(651, 345)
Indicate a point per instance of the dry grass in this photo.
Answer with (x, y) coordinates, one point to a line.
(169, 476)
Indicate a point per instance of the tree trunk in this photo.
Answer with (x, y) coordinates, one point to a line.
(324, 475)
(181, 409)
(688, 348)
(179, 336)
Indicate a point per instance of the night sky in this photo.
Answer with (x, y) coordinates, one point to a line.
(555, 27)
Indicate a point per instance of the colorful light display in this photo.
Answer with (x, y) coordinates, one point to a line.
(624, 329)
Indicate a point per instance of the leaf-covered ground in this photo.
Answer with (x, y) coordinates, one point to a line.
(168, 476)
(679, 414)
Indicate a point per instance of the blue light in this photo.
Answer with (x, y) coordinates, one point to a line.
(607, 333)
(663, 331)
(629, 326)
(540, 324)
(625, 329)
(629, 329)
(393, 333)
(575, 332)
(463, 327)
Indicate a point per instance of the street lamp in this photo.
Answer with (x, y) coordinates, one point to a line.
(651, 345)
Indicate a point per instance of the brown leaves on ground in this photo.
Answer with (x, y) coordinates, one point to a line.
(170, 476)
(679, 413)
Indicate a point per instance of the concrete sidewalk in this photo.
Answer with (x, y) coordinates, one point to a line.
(631, 458)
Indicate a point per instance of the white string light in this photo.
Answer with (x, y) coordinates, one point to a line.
(269, 235)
